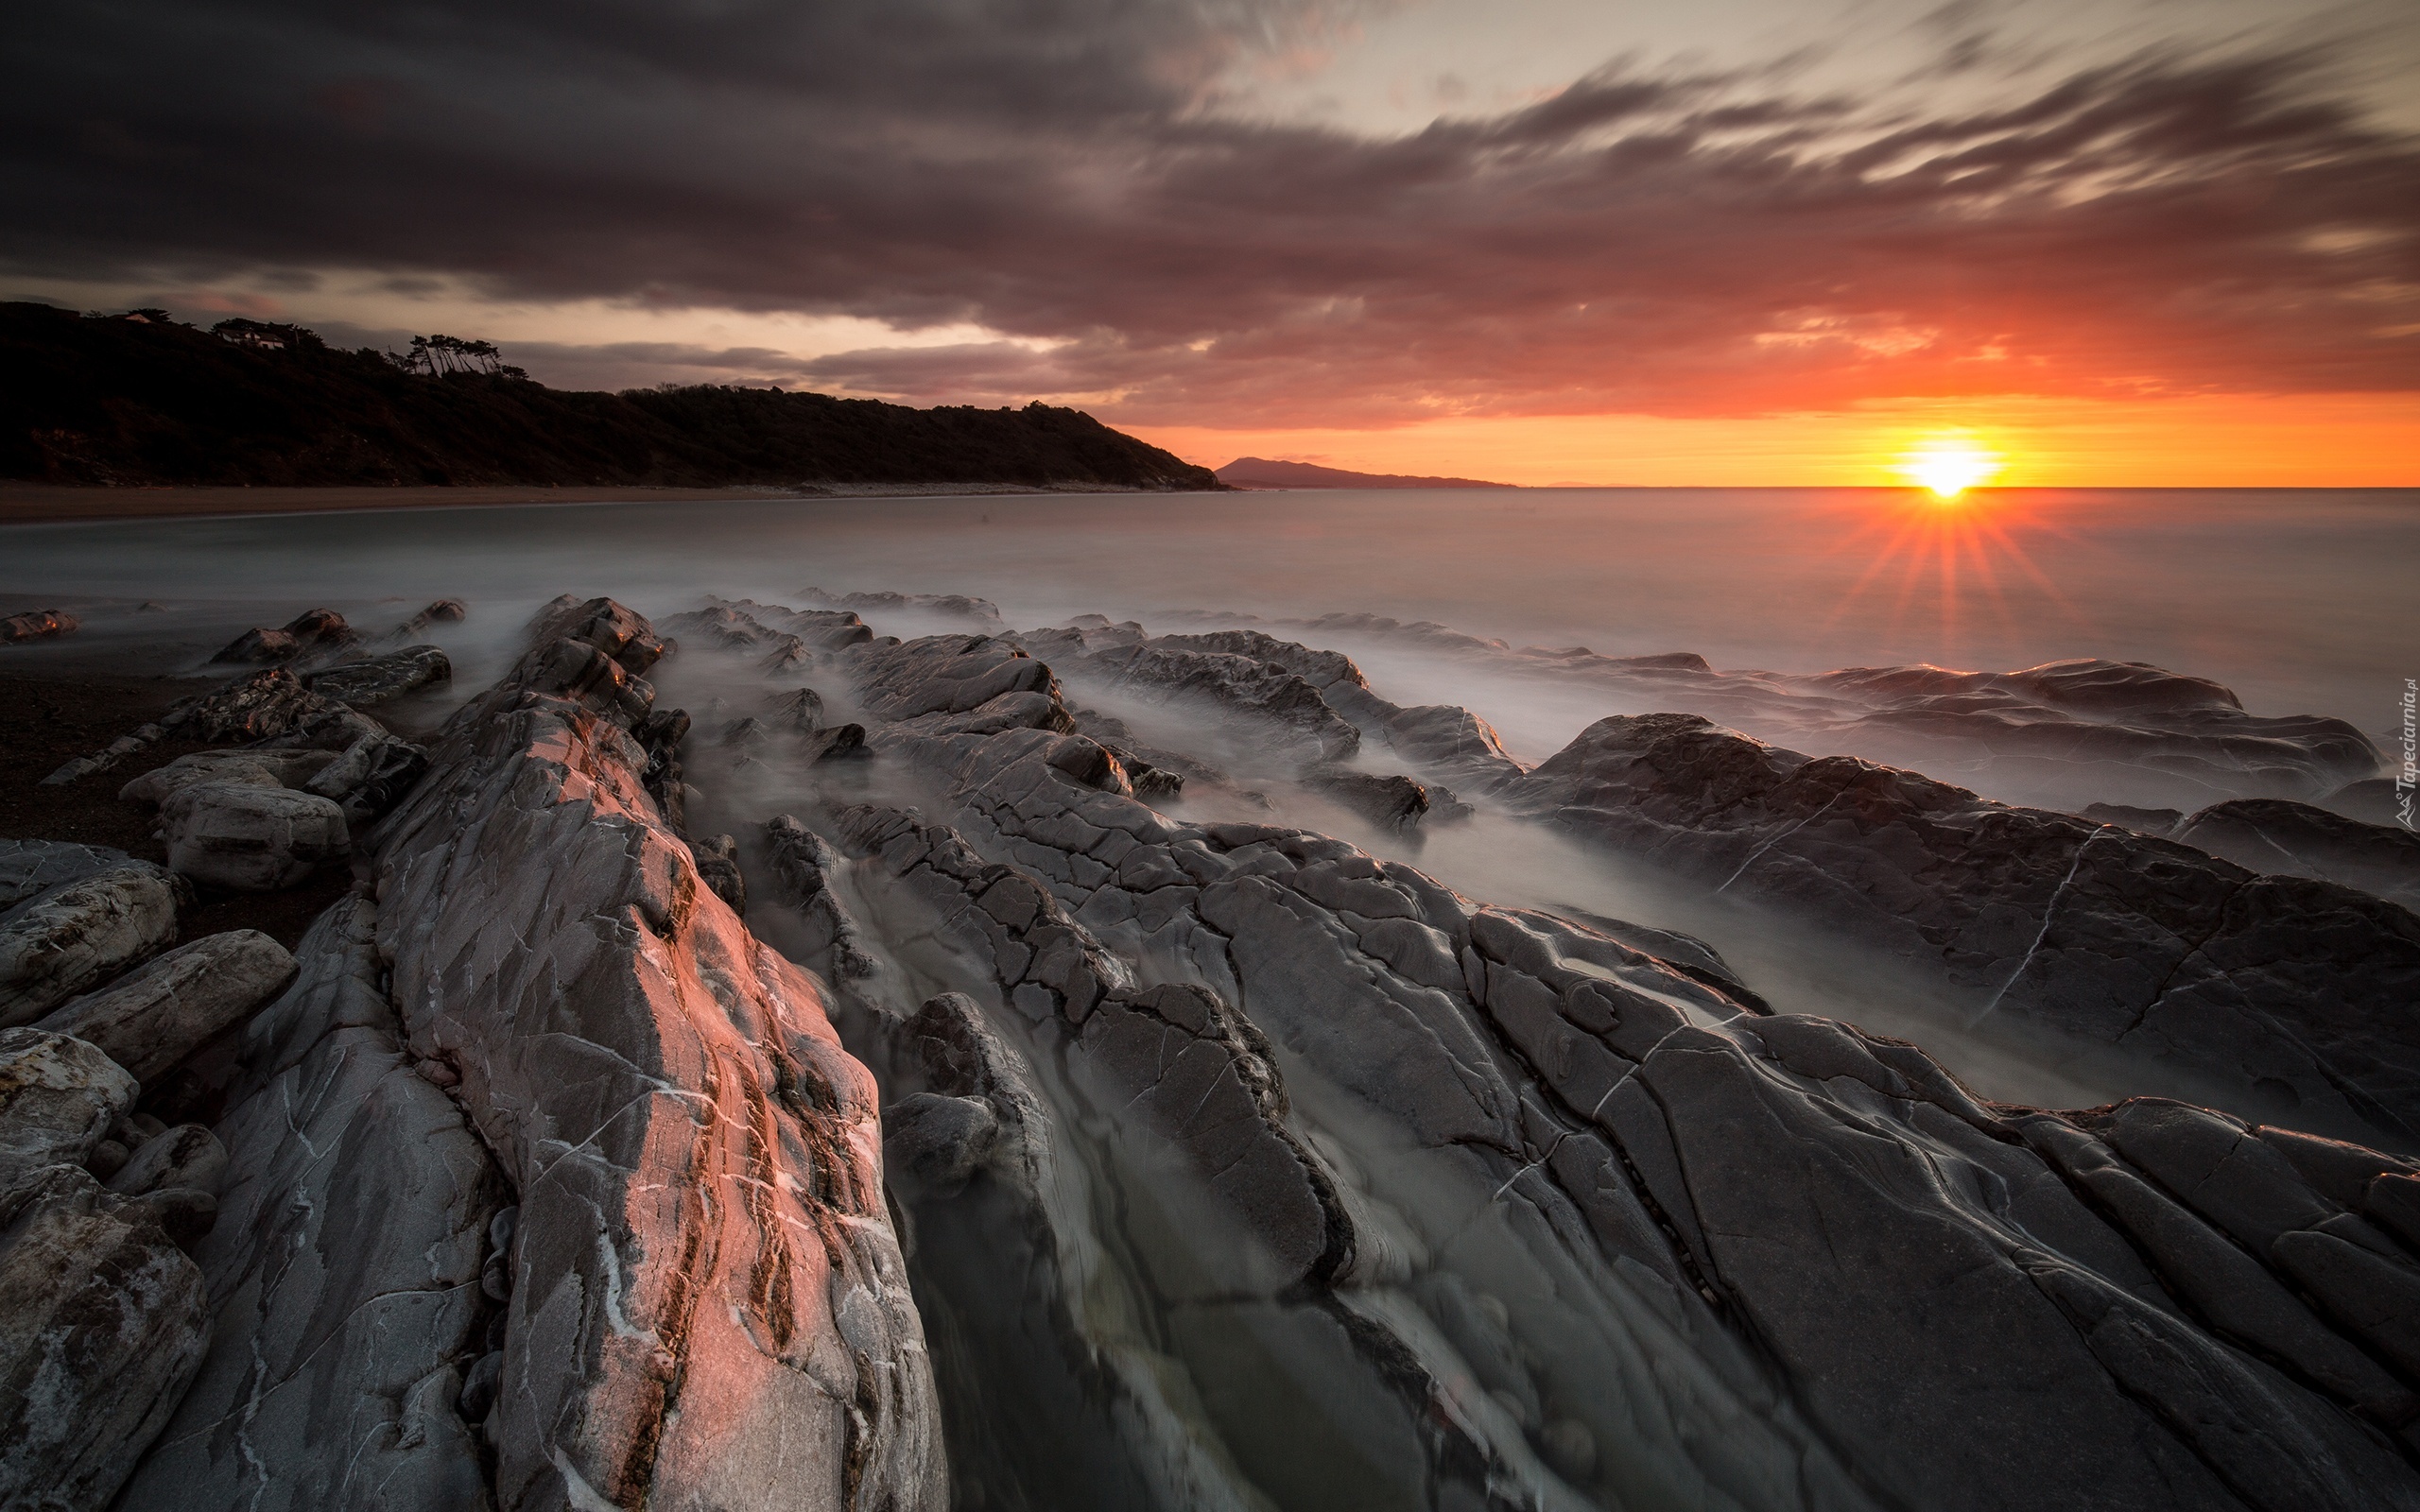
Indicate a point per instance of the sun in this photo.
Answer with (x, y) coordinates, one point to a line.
(1948, 466)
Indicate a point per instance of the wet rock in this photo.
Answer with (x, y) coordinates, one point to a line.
(805, 862)
(108, 1157)
(624, 638)
(188, 1155)
(2372, 800)
(717, 862)
(744, 734)
(479, 1388)
(153, 1018)
(1192, 1070)
(103, 1322)
(256, 768)
(794, 635)
(837, 743)
(948, 606)
(2161, 822)
(1395, 804)
(1279, 706)
(2062, 734)
(937, 1141)
(268, 706)
(343, 1268)
(801, 710)
(660, 735)
(67, 938)
(31, 867)
(1764, 1180)
(685, 1131)
(59, 1099)
(36, 625)
(2278, 838)
(443, 611)
(376, 680)
(309, 633)
(1571, 1448)
(2278, 987)
(250, 838)
(1796, 1191)
(943, 673)
(370, 777)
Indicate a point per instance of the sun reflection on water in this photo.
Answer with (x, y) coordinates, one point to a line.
(1958, 561)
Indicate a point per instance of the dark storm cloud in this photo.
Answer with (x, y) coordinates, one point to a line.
(1061, 171)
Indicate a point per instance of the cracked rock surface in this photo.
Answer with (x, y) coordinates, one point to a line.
(707, 1304)
(72, 916)
(2295, 992)
(1114, 1098)
(343, 1269)
(1406, 1199)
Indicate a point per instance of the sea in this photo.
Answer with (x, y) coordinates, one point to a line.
(2303, 601)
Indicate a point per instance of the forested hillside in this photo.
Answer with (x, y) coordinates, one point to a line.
(134, 400)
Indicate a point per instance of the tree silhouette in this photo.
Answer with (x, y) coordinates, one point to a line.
(442, 355)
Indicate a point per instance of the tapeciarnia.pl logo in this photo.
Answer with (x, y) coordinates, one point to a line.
(2408, 776)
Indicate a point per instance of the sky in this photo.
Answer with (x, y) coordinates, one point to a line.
(2122, 242)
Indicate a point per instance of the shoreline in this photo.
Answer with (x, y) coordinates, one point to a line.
(26, 503)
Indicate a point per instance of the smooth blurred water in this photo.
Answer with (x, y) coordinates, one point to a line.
(2300, 600)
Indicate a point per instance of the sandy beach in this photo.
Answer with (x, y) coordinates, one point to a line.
(36, 503)
(24, 504)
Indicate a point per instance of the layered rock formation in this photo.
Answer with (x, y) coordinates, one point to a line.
(2293, 990)
(104, 1316)
(343, 1273)
(1234, 1164)
(707, 1305)
(2061, 734)
(1495, 1180)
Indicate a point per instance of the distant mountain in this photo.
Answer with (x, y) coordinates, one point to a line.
(142, 399)
(1260, 472)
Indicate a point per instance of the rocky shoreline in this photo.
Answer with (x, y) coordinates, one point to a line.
(943, 1071)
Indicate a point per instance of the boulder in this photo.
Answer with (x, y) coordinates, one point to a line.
(268, 706)
(252, 839)
(31, 867)
(59, 1099)
(256, 768)
(443, 611)
(802, 710)
(370, 778)
(1395, 803)
(36, 625)
(946, 606)
(188, 1155)
(1272, 706)
(308, 633)
(376, 680)
(153, 1018)
(68, 938)
(103, 1323)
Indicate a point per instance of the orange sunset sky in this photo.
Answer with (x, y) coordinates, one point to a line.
(1747, 241)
